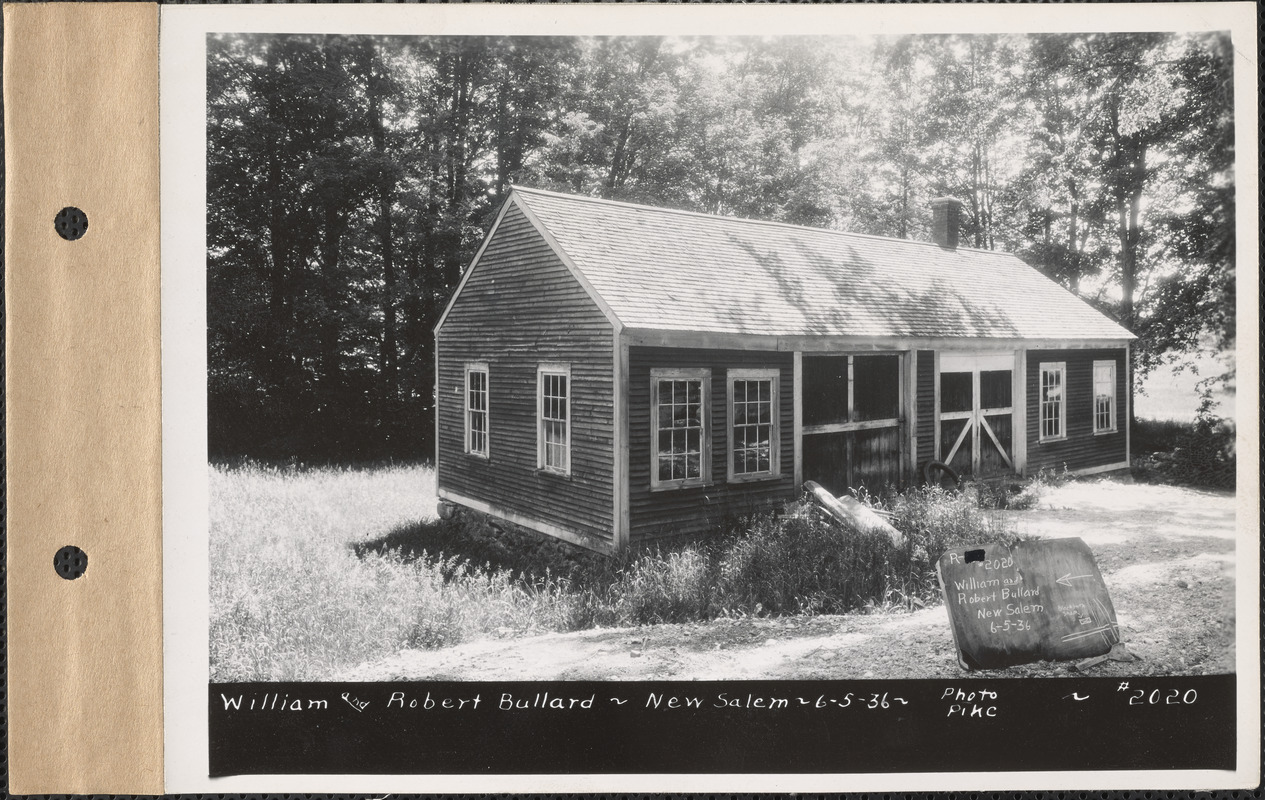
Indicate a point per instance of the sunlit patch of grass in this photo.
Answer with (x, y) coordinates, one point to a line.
(289, 599)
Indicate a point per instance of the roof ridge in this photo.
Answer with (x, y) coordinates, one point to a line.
(750, 221)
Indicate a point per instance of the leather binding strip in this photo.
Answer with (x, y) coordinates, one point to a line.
(83, 395)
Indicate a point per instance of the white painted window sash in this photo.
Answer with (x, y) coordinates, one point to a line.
(543, 419)
(1052, 414)
(703, 378)
(1109, 367)
(477, 442)
(772, 377)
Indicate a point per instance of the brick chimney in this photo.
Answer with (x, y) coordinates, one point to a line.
(946, 220)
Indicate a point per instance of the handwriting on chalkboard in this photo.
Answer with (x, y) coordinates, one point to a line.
(1035, 600)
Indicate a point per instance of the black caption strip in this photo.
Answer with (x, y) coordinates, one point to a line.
(722, 727)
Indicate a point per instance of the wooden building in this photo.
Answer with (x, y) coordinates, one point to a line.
(608, 373)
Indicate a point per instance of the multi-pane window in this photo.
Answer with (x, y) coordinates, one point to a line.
(1104, 396)
(554, 407)
(1053, 402)
(753, 441)
(477, 409)
(680, 434)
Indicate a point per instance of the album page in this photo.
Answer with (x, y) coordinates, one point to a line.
(701, 398)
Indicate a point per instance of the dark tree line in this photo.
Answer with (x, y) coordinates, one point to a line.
(350, 180)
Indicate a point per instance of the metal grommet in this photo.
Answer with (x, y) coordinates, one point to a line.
(70, 562)
(70, 223)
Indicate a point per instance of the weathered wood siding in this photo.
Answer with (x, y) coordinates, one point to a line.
(1082, 448)
(846, 461)
(694, 509)
(926, 414)
(520, 308)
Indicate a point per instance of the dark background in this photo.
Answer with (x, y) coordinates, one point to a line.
(1035, 725)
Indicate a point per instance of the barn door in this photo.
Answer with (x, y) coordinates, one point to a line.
(976, 414)
(853, 421)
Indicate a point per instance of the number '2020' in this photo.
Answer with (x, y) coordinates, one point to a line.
(1156, 697)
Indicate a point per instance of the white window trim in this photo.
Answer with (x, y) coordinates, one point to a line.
(775, 460)
(1061, 368)
(478, 366)
(1093, 391)
(541, 371)
(705, 376)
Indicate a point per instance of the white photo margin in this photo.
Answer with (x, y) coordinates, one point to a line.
(182, 66)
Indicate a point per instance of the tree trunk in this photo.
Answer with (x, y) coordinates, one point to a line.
(1131, 180)
(331, 251)
(462, 77)
(1129, 230)
(618, 172)
(389, 379)
(278, 275)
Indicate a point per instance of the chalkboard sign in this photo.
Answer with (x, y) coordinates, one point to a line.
(1043, 599)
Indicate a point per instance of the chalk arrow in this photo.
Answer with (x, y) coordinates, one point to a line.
(618, 701)
(1075, 696)
(1067, 579)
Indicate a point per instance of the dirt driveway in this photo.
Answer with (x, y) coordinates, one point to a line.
(1167, 555)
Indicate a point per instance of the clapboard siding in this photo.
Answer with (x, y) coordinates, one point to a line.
(694, 509)
(1082, 448)
(926, 400)
(520, 308)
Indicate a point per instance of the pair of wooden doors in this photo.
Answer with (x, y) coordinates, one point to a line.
(852, 421)
(976, 413)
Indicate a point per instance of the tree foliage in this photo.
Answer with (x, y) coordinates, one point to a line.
(350, 180)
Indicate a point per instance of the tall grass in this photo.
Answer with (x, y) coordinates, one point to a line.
(288, 599)
(456, 601)
(315, 570)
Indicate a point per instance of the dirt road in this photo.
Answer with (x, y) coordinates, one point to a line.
(1167, 555)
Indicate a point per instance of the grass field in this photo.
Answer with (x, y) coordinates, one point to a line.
(301, 585)
(289, 598)
(315, 570)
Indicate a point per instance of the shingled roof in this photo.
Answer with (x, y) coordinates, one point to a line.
(661, 269)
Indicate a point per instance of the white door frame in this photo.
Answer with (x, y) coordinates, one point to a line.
(977, 424)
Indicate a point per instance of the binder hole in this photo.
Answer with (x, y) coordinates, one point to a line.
(70, 562)
(71, 223)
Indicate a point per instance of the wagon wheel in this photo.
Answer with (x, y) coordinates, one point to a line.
(935, 472)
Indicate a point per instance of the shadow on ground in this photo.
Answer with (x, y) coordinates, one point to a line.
(481, 543)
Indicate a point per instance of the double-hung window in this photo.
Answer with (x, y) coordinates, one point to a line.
(1053, 401)
(753, 430)
(1104, 396)
(477, 409)
(553, 415)
(680, 433)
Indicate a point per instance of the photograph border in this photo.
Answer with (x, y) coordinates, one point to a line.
(185, 506)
